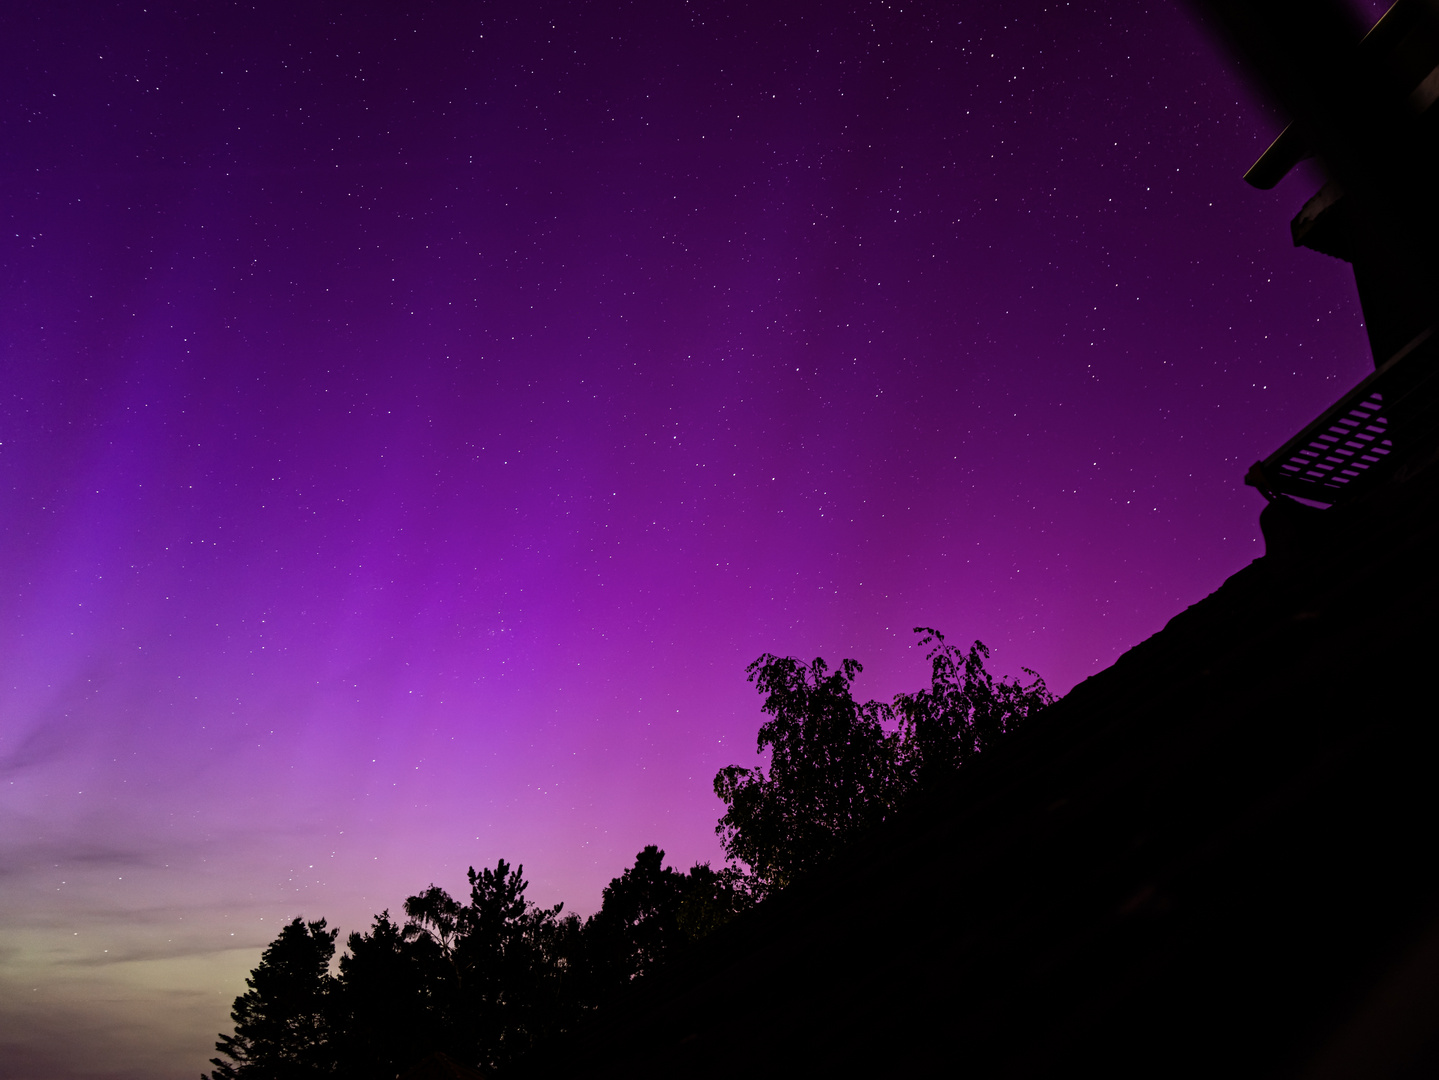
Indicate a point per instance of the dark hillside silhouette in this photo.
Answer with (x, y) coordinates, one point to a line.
(1214, 858)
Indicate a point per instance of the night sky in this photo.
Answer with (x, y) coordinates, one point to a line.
(415, 417)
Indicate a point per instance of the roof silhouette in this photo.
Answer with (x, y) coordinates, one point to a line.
(1217, 857)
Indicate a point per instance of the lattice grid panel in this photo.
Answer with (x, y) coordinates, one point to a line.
(1340, 454)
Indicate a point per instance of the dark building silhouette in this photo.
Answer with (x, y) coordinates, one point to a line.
(1219, 857)
(1363, 105)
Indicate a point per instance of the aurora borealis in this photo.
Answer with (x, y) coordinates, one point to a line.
(415, 418)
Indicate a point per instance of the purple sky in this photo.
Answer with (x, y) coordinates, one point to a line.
(415, 417)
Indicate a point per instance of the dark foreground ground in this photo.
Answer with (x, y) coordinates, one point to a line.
(1216, 858)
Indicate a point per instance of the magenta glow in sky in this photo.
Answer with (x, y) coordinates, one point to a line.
(414, 419)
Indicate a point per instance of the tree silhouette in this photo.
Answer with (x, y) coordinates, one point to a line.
(486, 981)
(638, 921)
(964, 712)
(282, 1023)
(434, 914)
(388, 1009)
(712, 898)
(506, 962)
(836, 767)
(833, 771)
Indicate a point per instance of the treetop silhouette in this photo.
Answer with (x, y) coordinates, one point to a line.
(838, 768)
(485, 981)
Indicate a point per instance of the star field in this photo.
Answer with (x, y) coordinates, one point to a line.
(416, 419)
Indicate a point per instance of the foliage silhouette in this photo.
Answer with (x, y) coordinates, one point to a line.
(389, 1008)
(637, 921)
(837, 769)
(486, 981)
(832, 773)
(651, 911)
(503, 960)
(964, 712)
(712, 898)
(282, 1023)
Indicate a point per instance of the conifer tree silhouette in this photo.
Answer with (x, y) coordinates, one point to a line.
(282, 1023)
